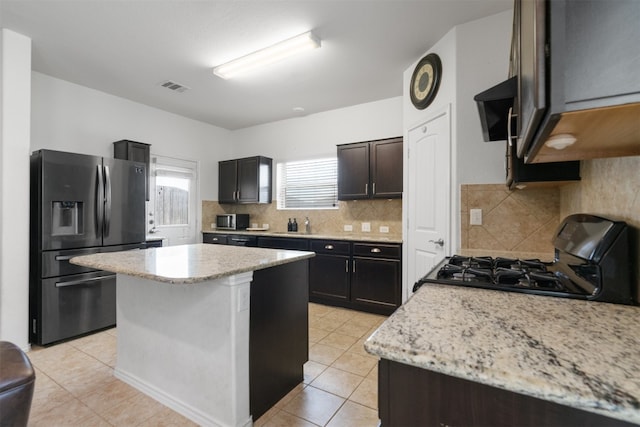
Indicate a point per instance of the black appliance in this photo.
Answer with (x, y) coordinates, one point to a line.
(79, 205)
(494, 107)
(591, 262)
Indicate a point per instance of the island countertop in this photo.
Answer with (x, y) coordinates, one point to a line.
(577, 353)
(187, 264)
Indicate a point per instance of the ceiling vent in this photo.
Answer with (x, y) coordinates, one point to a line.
(177, 87)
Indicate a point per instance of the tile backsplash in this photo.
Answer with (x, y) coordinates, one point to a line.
(519, 221)
(609, 188)
(387, 213)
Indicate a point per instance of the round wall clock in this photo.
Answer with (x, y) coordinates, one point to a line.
(425, 81)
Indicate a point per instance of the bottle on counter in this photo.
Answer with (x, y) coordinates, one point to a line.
(289, 225)
(294, 225)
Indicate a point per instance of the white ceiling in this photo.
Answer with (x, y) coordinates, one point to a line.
(126, 48)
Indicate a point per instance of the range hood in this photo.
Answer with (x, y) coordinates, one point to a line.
(493, 106)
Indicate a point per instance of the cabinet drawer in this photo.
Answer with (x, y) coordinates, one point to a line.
(377, 251)
(330, 247)
(283, 243)
(219, 239)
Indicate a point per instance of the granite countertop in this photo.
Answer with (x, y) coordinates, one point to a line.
(577, 353)
(189, 263)
(366, 237)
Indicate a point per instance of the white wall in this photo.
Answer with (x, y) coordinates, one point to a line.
(318, 134)
(15, 87)
(482, 52)
(70, 117)
(475, 56)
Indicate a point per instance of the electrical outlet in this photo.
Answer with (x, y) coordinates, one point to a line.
(366, 227)
(475, 216)
(348, 227)
(265, 226)
(213, 226)
(384, 229)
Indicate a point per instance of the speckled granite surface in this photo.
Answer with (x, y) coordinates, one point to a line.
(365, 237)
(189, 263)
(576, 353)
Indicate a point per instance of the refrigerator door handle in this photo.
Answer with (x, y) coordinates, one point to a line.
(83, 281)
(107, 201)
(99, 203)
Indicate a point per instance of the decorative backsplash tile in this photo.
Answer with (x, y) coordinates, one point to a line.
(378, 213)
(609, 188)
(520, 220)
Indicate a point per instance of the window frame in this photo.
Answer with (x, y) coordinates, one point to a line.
(281, 199)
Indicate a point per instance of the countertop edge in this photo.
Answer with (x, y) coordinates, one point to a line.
(88, 261)
(301, 235)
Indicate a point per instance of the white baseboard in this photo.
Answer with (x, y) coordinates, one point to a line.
(195, 415)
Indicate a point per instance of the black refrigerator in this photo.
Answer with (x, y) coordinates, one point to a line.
(79, 205)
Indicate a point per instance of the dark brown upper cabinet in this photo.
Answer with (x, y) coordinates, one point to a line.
(371, 169)
(576, 64)
(246, 180)
(137, 152)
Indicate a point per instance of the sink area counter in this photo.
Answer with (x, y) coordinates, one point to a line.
(576, 353)
(347, 236)
(189, 263)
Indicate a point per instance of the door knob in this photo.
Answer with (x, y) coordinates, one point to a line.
(439, 242)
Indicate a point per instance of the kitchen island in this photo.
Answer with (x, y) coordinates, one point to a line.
(466, 356)
(217, 333)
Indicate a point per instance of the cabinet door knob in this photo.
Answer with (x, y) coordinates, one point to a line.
(376, 250)
(329, 247)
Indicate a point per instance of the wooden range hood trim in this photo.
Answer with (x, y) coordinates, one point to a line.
(600, 132)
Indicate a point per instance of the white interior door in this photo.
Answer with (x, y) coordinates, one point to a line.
(172, 205)
(428, 204)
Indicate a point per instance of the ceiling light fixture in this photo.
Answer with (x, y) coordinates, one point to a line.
(268, 55)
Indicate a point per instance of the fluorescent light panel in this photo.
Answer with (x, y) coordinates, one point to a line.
(268, 55)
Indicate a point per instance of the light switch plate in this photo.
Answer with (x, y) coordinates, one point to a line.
(366, 226)
(475, 216)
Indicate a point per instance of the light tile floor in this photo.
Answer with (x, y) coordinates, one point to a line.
(75, 385)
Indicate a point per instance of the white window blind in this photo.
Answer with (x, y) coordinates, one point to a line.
(308, 184)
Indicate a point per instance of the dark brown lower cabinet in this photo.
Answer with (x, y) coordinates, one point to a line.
(329, 278)
(361, 276)
(372, 283)
(410, 396)
(278, 333)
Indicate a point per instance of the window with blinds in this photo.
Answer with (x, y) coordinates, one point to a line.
(308, 184)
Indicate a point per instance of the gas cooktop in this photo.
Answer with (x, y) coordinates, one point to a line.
(591, 262)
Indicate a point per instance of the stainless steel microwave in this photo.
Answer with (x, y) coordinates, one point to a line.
(232, 221)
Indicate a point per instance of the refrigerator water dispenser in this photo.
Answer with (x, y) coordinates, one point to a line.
(67, 218)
